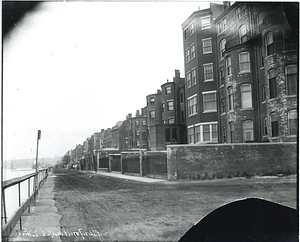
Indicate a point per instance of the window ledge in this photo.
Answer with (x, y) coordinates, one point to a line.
(244, 72)
(192, 115)
(207, 53)
(246, 109)
(222, 114)
(294, 95)
(211, 80)
(210, 111)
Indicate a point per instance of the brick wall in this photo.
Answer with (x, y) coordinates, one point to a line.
(230, 160)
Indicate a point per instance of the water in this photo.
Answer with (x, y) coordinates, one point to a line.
(12, 194)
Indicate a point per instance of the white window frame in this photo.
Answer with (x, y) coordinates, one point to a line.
(170, 107)
(205, 71)
(168, 89)
(244, 96)
(242, 32)
(188, 79)
(292, 115)
(222, 26)
(187, 55)
(248, 130)
(289, 88)
(204, 101)
(209, 46)
(191, 134)
(228, 65)
(206, 25)
(222, 47)
(193, 51)
(171, 120)
(152, 112)
(194, 77)
(192, 108)
(247, 69)
(210, 125)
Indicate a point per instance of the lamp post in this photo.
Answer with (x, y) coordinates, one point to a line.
(37, 150)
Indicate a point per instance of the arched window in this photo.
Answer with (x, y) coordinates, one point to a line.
(269, 44)
(293, 122)
(243, 33)
(246, 96)
(247, 130)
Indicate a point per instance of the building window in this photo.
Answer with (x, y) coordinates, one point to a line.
(168, 135)
(174, 135)
(247, 130)
(186, 33)
(293, 122)
(170, 106)
(228, 65)
(221, 26)
(194, 77)
(231, 130)
(191, 135)
(241, 11)
(243, 33)
(208, 72)
(187, 55)
(244, 61)
(171, 121)
(260, 18)
(264, 94)
(205, 22)
(291, 80)
(152, 114)
(188, 79)
(230, 98)
(272, 84)
(193, 51)
(224, 134)
(168, 89)
(207, 46)
(223, 106)
(163, 107)
(192, 105)
(274, 118)
(192, 29)
(209, 102)
(246, 96)
(265, 126)
(222, 78)
(144, 135)
(137, 123)
(222, 47)
(262, 59)
(210, 133)
(269, 44)
(152, 100)
(144, 122)
(181, 97)
(197, 134)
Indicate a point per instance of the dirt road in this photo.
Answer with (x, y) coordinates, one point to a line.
(95, 207)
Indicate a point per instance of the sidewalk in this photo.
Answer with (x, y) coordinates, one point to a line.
(126, 177)
(42, 223)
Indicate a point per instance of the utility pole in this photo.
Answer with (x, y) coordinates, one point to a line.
(37, 150)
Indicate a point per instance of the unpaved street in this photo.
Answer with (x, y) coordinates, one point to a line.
(96, 207)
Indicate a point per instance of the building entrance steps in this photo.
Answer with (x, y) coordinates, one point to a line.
(42, 223)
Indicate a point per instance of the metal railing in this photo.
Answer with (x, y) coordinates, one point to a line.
(39, 179)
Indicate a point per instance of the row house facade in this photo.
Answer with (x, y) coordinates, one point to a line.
(241, 65)
(200, 65)
(166, 114)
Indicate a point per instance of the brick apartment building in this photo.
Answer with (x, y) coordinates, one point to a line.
(258, 63)
(241, 65)
(199, 40)
(165, 114)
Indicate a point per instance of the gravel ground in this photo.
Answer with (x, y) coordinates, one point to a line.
(101, 208)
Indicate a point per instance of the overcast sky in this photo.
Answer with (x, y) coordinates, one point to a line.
(72, 69)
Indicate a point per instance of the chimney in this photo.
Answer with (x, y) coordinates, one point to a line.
(226, 5)
(137, 114)
(129, 116)
(177, 74)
